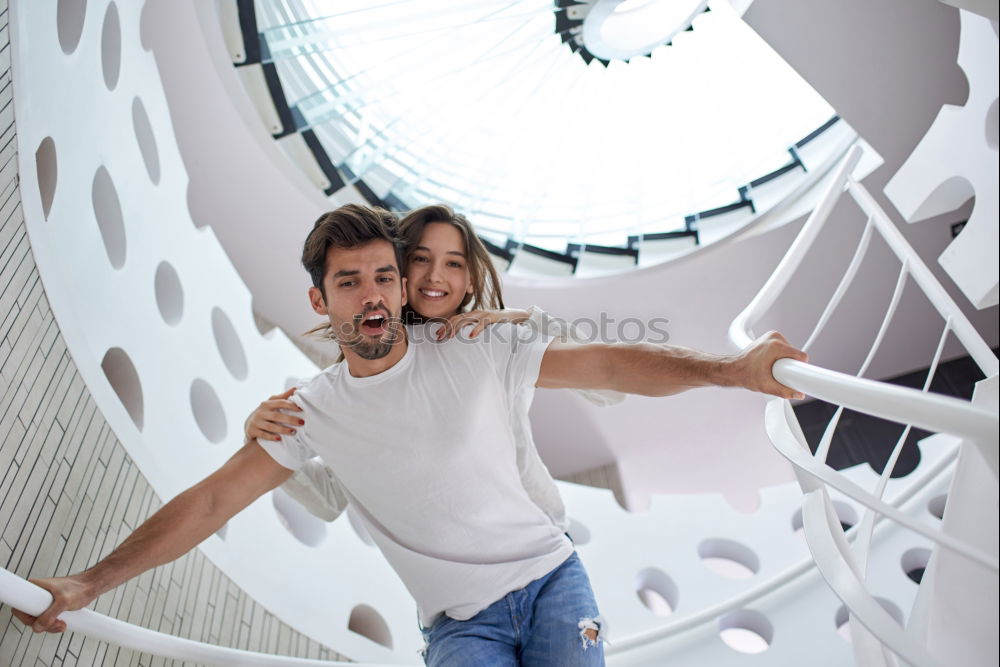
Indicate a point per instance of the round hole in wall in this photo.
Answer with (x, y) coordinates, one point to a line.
(207, 410)
(657, 591)
(146, 140)
(369, 623)
(108, 211)
(842, 617)
(229, 345)
(746, 631)
(111, 46)
(47, 172)
(169, 294)
(842, 620)
(359, 526)
(124, 379)
(578, 532)
(991, 126)
(937, 504)
(914, 562)
(728, 558)
(304, 527)
(848, 516)
(69, 23)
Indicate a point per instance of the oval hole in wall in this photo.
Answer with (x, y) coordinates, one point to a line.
(728, 558)
(169, 294)
(47, 171)
(746, 631)
(108, 211)
(303, 526)
(369, 623)
(937, 504)
(207, 410)
(124, 379)
(228, 343)
(70, 15)
(848, 516)
(111, 47)
(914, 562)
(146, 140)
(657, 591)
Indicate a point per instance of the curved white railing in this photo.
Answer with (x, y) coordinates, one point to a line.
(831, 553)
(24, 595)
(845, 568)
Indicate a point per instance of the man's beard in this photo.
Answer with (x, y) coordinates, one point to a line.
(370, 347)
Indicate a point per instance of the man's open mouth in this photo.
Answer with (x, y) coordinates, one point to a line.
(374, 324)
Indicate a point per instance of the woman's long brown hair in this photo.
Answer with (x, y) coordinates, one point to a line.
(486, 289)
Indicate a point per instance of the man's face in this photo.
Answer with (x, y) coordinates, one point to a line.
(364, 298)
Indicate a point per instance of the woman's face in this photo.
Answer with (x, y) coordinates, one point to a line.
(437, 272)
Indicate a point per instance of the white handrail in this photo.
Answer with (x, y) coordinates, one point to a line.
(26, 596)
(776, 422)
(936, 294)
(741, 327)
(820, 534)
(865, 527)
(904, 405)
(932, 412)
(912, 407)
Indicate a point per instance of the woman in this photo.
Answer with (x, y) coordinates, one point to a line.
(451, 279)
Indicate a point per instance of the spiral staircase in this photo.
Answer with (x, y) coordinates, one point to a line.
(141, 191)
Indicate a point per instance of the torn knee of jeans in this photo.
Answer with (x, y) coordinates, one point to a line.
(590, 631)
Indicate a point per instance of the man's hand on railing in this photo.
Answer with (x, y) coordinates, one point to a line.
(68, 594)
(752, 366)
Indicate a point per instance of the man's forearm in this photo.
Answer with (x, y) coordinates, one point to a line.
(172, 531)
(664, 370)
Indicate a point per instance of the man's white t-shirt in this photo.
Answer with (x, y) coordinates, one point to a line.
(426, 453)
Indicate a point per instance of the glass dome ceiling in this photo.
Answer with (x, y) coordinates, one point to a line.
(499, 108)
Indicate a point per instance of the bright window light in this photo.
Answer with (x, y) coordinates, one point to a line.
(481, 105)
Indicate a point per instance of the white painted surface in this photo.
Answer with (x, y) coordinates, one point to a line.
(239, 178)
(957, 160)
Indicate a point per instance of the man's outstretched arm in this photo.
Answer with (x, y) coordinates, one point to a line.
(662, 370)
(171, 532)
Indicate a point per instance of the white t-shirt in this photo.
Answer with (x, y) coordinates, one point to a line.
(426, 453)
(318, 489)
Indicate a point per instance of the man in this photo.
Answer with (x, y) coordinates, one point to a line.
(420, 437)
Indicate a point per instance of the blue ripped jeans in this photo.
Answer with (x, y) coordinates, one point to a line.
(540, 625)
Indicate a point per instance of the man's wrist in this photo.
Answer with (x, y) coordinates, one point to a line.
(93, 582)
(729, 371)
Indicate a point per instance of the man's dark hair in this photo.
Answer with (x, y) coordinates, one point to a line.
(349, 226)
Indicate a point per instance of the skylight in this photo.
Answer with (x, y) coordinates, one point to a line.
(488, 106)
